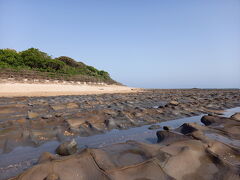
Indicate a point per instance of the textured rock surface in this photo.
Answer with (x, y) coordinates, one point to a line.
(35, 120)
(188, 152)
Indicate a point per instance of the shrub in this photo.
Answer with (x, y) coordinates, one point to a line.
(37, 60)
(55, 65)
(4, 65)
(10, 57)
(71, 62)
(34, 58)
(104, 74)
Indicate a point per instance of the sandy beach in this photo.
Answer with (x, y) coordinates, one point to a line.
(53, 89)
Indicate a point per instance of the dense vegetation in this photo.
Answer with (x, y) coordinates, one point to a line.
(34, 59)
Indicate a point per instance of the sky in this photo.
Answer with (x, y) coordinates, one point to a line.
(141, 43)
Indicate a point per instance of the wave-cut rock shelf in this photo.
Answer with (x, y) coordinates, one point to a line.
(30, 126)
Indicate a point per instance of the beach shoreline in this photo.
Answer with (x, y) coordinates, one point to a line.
(18, 89)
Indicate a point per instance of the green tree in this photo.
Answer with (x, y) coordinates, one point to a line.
(34, 58)
(10, 57)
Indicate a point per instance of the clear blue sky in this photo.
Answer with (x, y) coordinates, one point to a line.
(142, 43)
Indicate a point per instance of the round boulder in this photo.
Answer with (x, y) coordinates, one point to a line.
(67, 148)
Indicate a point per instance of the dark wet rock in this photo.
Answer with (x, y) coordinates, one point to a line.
(58, 114)
(208, 120)
(162, 104)
(47, 116)
(154, 127)
(166, 128)
(167, 137)
(187, 128)
(67, 148)
(210, 114)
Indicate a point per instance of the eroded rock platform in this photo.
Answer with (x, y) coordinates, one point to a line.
(31, 121)
(187, 152)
